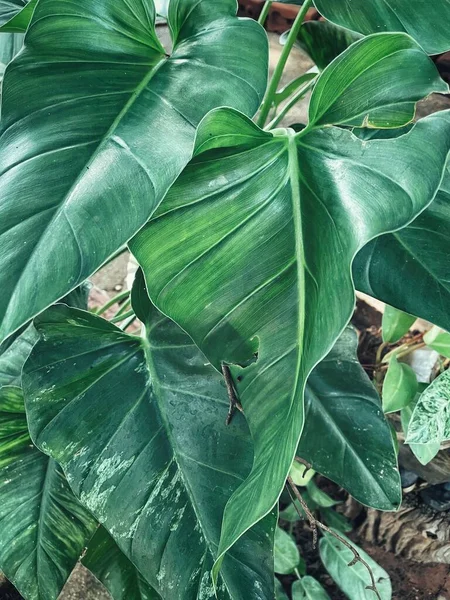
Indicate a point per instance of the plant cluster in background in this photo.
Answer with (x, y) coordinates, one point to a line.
(160, 458)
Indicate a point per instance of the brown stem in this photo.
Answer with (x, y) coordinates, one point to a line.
(317, 524)
(234, 402)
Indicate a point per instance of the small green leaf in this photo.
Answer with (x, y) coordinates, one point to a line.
(301, 475)
(280, 594)
(430, 420)
(400, 386)
(427, 22)
(308, 588)
(423, 452)
(323, 41)
(287, 556)
(322, 499)
(109, 564)
(354, 580)
(396, 324)
(336, 520)
(375, 83)
(438, 340)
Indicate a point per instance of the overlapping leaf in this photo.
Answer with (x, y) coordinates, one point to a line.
(118, 574)
(323, 41)
(139, 428)
(97, 122)
(343, 408)
(263, 229)
(424, 21)
(43, 528)
(409, 268)
(15, 15)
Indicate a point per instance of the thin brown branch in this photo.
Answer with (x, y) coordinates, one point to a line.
(317, 524)
(234, 402)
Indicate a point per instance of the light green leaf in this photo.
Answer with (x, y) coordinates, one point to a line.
(43, 528)
(15, 15)
(110, 566)
(323, 41)
(395, 324)
(374, 83)
(280, 594)
(308, 588)
(10, 44)
(318, 496)
(430, 420)
(287, 556)
(139, 428)
(354, 580)
(258, 273)
(400, 386)
(438, 340)
(300, 474)
(343, 408)
(423, 452)
(119, 126)
(424, 21)
(408, 269)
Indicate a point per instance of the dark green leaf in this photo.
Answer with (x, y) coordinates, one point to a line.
(427, 22)
(119, 126)
(336, 520)
(308, 588)
(43, 528)
(15, 15)
(110, 565)
(258, 272)
(430, 420)
(400, 386)
(287, 556)
(438, 340)
(139, 428)
(324, 41)
(375, 83)
(354, 580)
(343, 408)
(395, 324)
(408, 269)
(280, 594)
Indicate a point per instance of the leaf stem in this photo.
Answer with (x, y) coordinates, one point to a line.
(122, 317)
(265, 12)
(113, 301)
(298, 96)
(273, 85)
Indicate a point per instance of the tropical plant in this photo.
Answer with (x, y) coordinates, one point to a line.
(251, 241)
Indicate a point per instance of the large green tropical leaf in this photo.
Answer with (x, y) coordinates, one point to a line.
(409, 268)
(15, 15)
(97, 122)
(117, 573)
(427, 22)
(251, 254)
(43, 528)
(343, 408)
(139, 428)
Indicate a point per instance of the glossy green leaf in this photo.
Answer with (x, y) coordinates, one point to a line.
(139, 428)
(400, 386)
(43, 528)
(438, 340)
(280, 594)
(343, 408)
(354, 580)
(395, 324)
(318, 496)
(287, 556)
(408, 269)
(375, 83)
(308, 588)
(15, 15)
(118, 574)
(119, 126)
(423, 452)
(430, 420)
(249, 249)
(424, 21)
(323, 41)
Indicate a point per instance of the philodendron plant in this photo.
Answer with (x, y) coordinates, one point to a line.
(251, 240)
